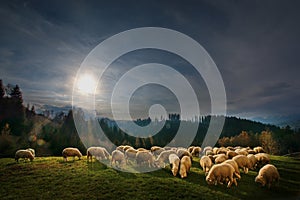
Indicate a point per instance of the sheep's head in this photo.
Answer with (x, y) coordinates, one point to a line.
(260, 179)
(210, 181)
(175, 170)
(182, 171)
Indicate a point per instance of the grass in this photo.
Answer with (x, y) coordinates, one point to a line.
(51, 178)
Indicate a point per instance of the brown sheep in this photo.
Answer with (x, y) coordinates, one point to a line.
(22, 153)
(196, 151)
(253, 161)
(236, 169)
(221, 172)
(206, 164)
(267, 175)
(71, 152)
(185, 166)
(243, 162)
(230, 154)
(175, 162)
(219, 158)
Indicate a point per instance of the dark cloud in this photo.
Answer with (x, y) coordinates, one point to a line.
(255, 45)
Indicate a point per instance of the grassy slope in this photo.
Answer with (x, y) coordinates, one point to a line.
(51, 178)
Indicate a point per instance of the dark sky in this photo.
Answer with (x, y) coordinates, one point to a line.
(255, 45)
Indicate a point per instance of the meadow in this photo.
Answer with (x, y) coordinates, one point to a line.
(52, 178)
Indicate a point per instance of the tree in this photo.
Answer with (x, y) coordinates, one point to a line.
(2, 90)
(16, 94)
(268, 142)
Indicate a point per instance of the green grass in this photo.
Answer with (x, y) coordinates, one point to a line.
(51, 178)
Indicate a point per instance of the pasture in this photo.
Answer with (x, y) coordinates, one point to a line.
(52, 178)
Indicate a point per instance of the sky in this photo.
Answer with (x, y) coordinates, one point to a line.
(255, 45)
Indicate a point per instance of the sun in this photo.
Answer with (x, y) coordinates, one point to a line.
(86, 84)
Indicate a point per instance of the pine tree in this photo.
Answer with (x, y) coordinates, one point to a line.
(2, 90)
(16, 94)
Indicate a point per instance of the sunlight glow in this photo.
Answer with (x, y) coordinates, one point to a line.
(86, 84)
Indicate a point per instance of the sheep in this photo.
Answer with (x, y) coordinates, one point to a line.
(22, 153)
(145, 157)
(174, 161)
(156, 150)
(235, 166)
(230, 154)
(242, 152)
(214, 150)
(243, 162)
(262, 159)
(251, 151)
(32, 151)
(99, 153)
(205, 149)
(259, 150)
(183, 152)
(70, 151)
(123, 148)
(209, 152)
(185, 166)
(222, 150)
(130, 153)
(205, 163)
(253, 161)
(221, 172)
(220, 158)
(196, 151)
(190, 149)
(163, 158)
(142, 149)
(117, 156)
(267, 175)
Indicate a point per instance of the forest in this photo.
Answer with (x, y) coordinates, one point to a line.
(22, 127)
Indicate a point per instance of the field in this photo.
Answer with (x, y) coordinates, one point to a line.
(52, 178)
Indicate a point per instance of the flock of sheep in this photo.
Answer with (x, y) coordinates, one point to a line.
(221, 165)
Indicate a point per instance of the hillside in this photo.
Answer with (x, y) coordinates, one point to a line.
(51, 178)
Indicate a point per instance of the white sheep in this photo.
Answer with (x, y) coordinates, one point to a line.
(32, 151)
(71, 152)
(206, 164)
(183, 152)
(243, 162)
(130, 153)
(220, 173)
(156, 150)
(185, 166)
(267, 175)
(117, 158)
(175, 162)
(208, 148)
(259, 150)
(145, 157)
(230, 154)
(22, 153)
(262, 159)
(98, 152)
(236, 169)
(219, 158)
(163, 158)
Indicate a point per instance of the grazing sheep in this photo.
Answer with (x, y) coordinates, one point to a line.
(222, 150)
(174, 161)
(251, 151)
(71, 152)
(145, 157)
(120, 148)
(214, 150)
(156, 150)
(206, 164)
(22, 153)
(183, 152)
(259, 150)
(142, 149)
(219, 158)
(253, 161)
(163, 158)
(32, 151)
(243, 162)
(242, 151)
(267, 175)
(209, 153)
(190, 149)
(196, 151)
(235, 167)
(221, 172)
(130, 153)
(262, 159)
(98, 152)
(185, 166)
(230, 154)
(205, 149)
(117, 157)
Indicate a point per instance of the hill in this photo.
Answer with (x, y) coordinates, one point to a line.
(52, 178)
